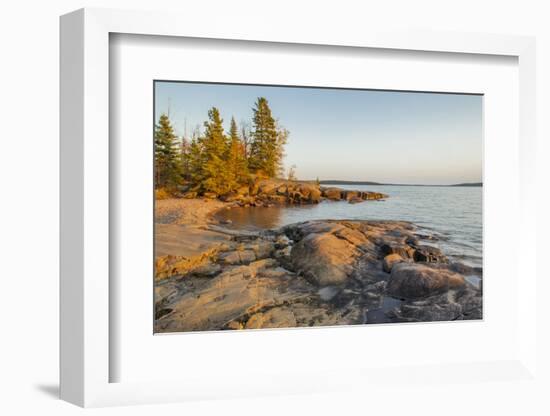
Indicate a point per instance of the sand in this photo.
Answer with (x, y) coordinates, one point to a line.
(181, 227)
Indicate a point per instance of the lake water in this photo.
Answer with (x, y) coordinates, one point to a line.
(452, 213)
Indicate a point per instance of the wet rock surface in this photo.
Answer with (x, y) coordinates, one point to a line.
(318, 273)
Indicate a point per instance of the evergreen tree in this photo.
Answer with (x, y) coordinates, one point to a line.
(184, 158)
(195, 163)
(245, 137)
(236, 160)
(167, 161)
(233, 131)
(266, 149)
(282, 139)
(215, 172)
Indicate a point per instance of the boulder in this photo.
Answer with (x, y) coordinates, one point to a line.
(404, 250)
(295, 197)
(315, 195)
(190, 195)
(305, 190)
(350, 195)
(451, 306)
(373, 195)
(210, 195)
(390, 260)
(230, 197)
(282, 241)
(334, 194)
(413, 281)
(267, 187)
(278, 199)
(324, 258)
(464, 269)
(283, 253)
(246, 200)
(281, 190)
(429, 254)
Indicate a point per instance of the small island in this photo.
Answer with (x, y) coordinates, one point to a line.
(320, 272)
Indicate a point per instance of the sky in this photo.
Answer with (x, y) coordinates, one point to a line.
(364, 135)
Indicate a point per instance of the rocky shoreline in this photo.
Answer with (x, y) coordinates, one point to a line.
(314, 273)
(268, 192)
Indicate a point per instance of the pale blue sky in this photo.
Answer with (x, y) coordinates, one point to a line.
(382, 136)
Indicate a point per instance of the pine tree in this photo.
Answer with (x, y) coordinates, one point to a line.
(195, 163)
(167, 160)
(266, 149)
(282, 139)
(184, 158)
(236, 160)
(245, 137)
(216, 175)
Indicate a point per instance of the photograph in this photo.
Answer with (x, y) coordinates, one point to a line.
(298, 206)
(235, 208)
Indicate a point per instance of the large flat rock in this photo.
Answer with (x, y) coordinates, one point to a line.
(186, 241)
(236, 294)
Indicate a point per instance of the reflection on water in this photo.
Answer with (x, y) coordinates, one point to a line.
(253, 218)
(454, 213)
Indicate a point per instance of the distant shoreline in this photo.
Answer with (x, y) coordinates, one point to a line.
(341, 182)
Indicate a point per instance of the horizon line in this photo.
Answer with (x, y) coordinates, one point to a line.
(374, 183)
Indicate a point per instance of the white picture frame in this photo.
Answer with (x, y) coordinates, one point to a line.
(85, 216)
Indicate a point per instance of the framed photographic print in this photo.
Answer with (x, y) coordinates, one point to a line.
(319, 212)
(271, 223)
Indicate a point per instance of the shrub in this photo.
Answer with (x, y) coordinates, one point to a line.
(162, 193)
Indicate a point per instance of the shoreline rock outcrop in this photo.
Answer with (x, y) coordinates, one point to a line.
(316, 273)
(267, 192)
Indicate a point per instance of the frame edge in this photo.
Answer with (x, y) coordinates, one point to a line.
(82, 382)
(71, 216)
